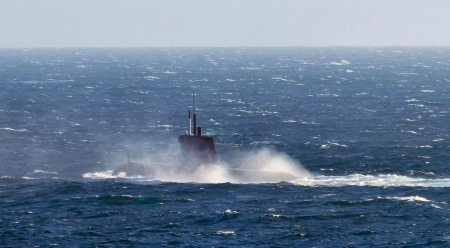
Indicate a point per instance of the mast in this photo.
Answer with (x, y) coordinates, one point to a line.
(195, 115)
(190, 123)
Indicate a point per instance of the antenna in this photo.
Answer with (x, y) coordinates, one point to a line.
(193, 101)
(190, 124)
(195, 115)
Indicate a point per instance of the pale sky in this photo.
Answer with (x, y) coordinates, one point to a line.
(199, 23)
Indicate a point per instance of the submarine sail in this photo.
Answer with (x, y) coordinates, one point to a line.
(196, 151)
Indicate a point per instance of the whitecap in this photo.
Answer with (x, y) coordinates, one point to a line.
(407, 73)
(336, 144)
(102, 175)
(151, 78)
(335, 63)
(229, 211)
(169, 72)
(165, 126)
(324, 147)
(410, 132)
(409, 199)
(281, 79)
(44, 172)
(138, 103)
(426, 146)
(126, 196)
(225, 233)
(13, 130)
(250, 68)
(382, 180)
(368, 110)
(342, 62)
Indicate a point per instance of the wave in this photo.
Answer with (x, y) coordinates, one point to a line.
(388, 180)
(384, 180)
(14, 130)
(408, 198)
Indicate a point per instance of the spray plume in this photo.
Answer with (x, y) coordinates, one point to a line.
(257, 166)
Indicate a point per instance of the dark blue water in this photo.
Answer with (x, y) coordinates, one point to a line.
(369, 125)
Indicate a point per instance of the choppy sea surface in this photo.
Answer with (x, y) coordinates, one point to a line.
(369, 128)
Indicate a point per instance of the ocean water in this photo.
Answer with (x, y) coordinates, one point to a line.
(367, 131)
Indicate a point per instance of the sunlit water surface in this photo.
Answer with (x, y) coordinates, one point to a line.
(366, 129)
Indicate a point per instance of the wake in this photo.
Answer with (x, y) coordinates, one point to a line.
(383, 180)
(269, 162)
(387, 180)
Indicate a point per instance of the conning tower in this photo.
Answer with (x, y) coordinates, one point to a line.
(196, 149)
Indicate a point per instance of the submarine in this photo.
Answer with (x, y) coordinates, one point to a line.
(196, 151)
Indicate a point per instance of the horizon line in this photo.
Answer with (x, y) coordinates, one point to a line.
(177, 47)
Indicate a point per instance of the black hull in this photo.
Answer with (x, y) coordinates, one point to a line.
(175, 173)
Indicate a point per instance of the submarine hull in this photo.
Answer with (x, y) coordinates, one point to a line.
(196, 151)
(181, 173)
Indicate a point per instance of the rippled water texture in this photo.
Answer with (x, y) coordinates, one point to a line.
(367, 130)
